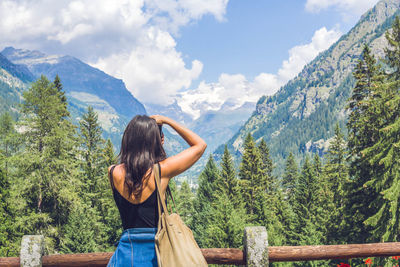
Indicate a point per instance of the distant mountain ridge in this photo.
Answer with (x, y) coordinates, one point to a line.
(19, 71)
(83, 85)
(13, 81)
(77, 76)
(301, 116)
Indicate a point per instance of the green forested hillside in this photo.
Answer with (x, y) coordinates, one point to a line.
(302, 115)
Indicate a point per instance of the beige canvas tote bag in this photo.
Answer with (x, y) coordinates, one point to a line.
(174, 241)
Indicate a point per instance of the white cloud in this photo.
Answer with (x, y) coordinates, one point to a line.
(302, 54)
(237, 90)
(154, 71)
(132, 39)
(348, 8)
(181, 12)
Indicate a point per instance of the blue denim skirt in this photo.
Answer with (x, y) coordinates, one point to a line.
(135, 248)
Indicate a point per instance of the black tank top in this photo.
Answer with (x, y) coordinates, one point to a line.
(142, 215)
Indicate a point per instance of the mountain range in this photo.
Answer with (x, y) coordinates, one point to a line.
(85, 85)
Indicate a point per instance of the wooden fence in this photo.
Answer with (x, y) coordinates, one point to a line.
(255, 253)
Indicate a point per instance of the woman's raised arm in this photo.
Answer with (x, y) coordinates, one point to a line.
(179, 163)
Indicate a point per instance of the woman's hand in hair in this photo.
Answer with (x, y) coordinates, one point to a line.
(160, 119)
(179, 163)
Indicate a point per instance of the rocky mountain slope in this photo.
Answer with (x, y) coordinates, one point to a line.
(84, 85)
(301, 116)
(13, 80)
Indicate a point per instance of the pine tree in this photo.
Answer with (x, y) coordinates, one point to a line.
(289, 178)
(7, 234)
(251, 174)
(80, 234)
(363, 128)
(307, 224)
(205, 196)
(61, 93)
(184, 202)
(207, 183)
(8, 139)
(109, 215)
(109, 154)
(267, 167)
(47, 171)
(383, 153)
(229, 183)
(306, 205)
(225, 227)
(336, 173)
(92, 146)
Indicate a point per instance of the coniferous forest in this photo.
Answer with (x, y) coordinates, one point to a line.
(53, 177)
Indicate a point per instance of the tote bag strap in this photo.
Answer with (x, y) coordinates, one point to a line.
(160, 198)
(170, 195)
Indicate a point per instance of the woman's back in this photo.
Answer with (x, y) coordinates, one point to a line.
(135, 212)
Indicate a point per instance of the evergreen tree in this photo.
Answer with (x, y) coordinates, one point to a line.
(8, 139)
(92, 153)
(109, 154)
(7, 248)
(336, 173)
(307, 225)
(383, 153)
(251, 174)
(46, 166)
(61, 94)
(289, 178)
(205, 196)
(363, 128)
(225, 227)
(80, 234)
(207, 183)
(306, 205)
(108, 211)
(184, 202)
(229, 183)
(269, 200)
(267, 166)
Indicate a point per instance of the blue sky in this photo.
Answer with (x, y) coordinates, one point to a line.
(255, 36)
(199, 53)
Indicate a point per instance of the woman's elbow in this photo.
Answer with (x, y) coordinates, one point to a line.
(203, 147)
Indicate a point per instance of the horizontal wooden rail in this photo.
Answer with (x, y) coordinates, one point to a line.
(9, 262)
(328, 252)
(236, 256)
(212, 255)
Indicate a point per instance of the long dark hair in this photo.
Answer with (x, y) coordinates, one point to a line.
(141, 148)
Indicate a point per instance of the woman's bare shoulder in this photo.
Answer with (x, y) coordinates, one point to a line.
(118, 172)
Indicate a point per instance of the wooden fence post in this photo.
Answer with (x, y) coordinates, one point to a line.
(255, 242)
(32, 249)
